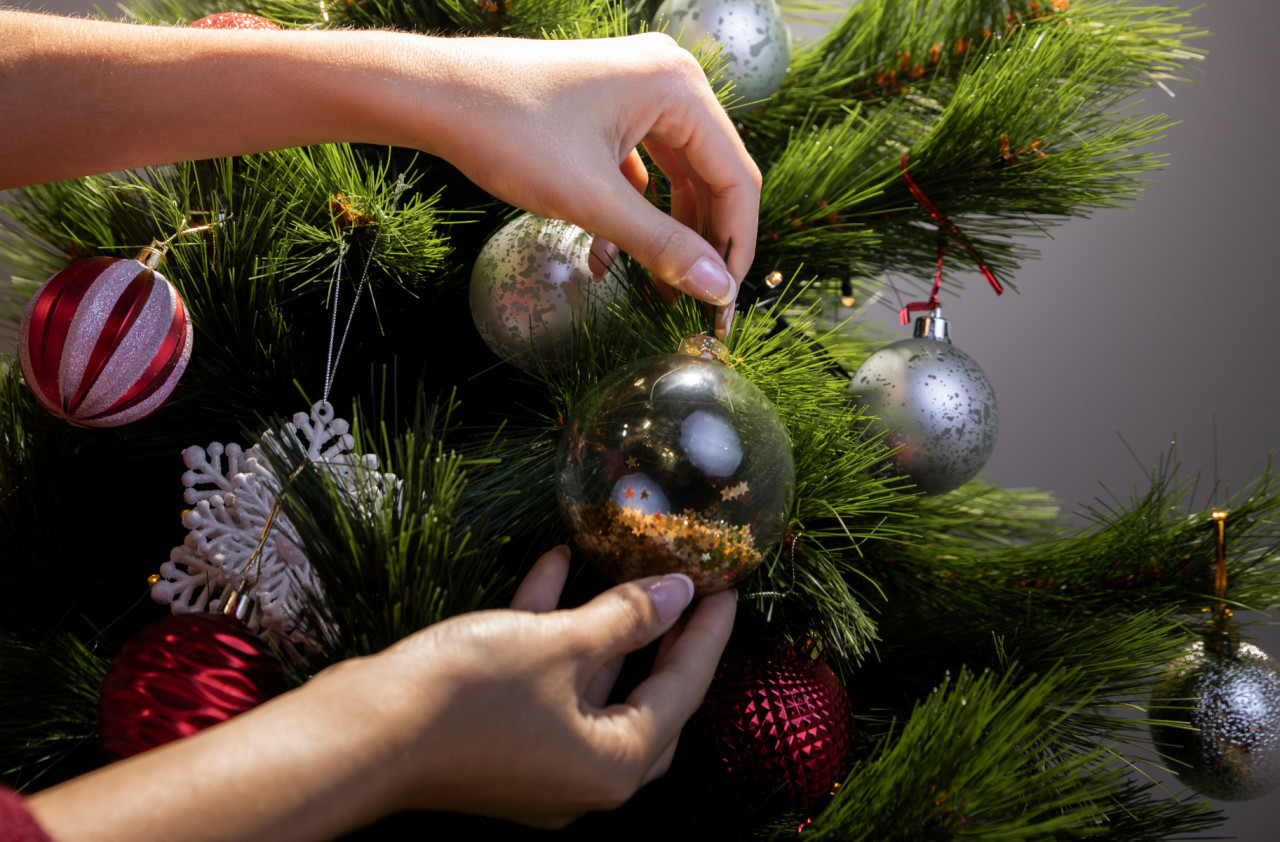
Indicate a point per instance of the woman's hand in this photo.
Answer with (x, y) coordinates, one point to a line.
(518, 726)
(548, 126)
(552, 127)
(496, 713)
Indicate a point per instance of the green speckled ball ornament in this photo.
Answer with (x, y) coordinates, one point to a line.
(676, 464)
(757, 41)
(1225, 696)
(934, 406)
(531, 283)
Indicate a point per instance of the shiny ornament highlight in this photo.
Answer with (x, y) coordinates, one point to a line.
(934, 406)
(182, 675)
(105, 341)
(757, 41)
(531, 284)
(676, 464)
(233, 20)
(1229, 693)
(777, 721)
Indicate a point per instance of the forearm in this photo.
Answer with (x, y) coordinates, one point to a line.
(311, 764)
(90, 96)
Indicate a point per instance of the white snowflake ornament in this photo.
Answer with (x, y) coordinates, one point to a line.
(231, 493)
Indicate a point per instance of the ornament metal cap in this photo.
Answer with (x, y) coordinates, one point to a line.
(704, 346)
(151, 255)
(932, 326)
(236, 604)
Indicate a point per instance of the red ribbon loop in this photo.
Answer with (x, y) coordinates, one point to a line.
(944, 225)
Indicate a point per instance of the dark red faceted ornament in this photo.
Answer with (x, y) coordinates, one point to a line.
(233, 20)
(182, 675)
(778, 722)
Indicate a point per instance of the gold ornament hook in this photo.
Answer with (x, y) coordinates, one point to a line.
(1220, 573)
(152, 255)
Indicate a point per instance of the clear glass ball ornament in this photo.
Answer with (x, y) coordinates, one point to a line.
(676, 464)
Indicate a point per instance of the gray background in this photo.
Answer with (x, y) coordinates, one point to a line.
(1148, 323)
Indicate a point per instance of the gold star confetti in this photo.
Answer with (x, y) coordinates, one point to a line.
(637, 544)
(733, 492)
(633, 462)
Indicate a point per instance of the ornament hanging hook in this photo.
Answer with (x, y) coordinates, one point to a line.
(255, 560)
(1221, 611)
(152, 255)
(944, 225)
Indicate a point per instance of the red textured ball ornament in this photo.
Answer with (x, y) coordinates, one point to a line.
(233, 20)
(778, 722)
(182, 675)
(104, 342)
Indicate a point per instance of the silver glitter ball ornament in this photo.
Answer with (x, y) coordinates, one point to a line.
(757, 41)
(1225, 695)
(531, 283)
(934, 406)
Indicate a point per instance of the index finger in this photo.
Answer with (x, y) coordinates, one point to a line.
(712, 153)
(682, 674)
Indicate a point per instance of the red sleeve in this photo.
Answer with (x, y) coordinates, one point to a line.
(16, 822)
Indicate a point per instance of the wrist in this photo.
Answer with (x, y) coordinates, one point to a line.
(410, 90)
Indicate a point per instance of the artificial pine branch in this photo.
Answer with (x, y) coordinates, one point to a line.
(48, 706)
(1020, 128)
(396, 556)
(342, 197)
(985, 757)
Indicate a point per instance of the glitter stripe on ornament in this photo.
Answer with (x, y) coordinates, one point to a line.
(53, 307)
(104, 342)
(164, 370)
(123, 316)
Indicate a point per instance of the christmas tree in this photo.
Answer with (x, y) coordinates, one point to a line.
(992, 655)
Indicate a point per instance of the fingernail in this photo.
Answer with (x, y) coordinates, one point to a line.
(710, 281)
(671, 595)
(605, 254)
(724, 321)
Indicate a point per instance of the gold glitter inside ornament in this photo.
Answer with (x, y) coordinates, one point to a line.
(676, 464)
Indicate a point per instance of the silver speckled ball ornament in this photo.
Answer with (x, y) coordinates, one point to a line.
(1229, 693)
(757, 41)
(529, 285)
(933, 404)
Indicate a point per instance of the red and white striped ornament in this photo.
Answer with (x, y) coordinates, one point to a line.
(105, 340)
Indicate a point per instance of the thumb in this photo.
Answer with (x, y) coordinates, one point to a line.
(629, 617)
(673, 252)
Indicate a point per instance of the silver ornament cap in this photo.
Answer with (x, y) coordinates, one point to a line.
(933, 405)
